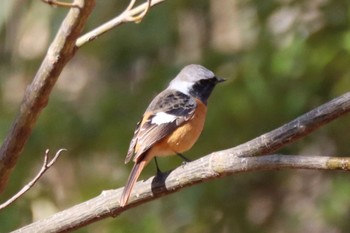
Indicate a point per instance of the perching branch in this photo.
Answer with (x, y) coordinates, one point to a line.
(218, 164)
(130, 14)
(199, 171)
(37, 93)
(46, 165)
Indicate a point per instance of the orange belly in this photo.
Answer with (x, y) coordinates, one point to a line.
(184, 137)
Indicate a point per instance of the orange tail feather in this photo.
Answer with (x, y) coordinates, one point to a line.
(134, 175)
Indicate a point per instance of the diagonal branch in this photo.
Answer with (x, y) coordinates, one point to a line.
(129, 15)
(37, 93)
(46, 165)
(295, 129)
(218, 164)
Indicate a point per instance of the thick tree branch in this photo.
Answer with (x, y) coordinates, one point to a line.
(202, 170)
(222, 163)
(46, 165)
(37, 93)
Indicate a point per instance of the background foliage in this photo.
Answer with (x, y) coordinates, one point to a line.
(281, 59)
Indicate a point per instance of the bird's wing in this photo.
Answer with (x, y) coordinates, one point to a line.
(165, 113)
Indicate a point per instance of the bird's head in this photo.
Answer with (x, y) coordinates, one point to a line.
(195, 80)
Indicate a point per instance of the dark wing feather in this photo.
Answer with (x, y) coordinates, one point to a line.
(147, 133)
(133, 142)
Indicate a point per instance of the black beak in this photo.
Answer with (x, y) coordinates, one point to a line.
(219, 79)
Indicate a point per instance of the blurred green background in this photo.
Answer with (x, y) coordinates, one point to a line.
(281, 59)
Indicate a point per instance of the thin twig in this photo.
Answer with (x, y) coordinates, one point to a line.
(46, 165)
(60, 4)
(130, 6)
(129, 15)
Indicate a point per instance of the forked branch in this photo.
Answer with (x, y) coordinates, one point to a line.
(130, 14)
(46, 165)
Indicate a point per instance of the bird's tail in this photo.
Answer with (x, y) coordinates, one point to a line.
(134, 175)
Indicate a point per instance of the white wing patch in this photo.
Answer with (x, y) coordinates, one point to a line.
(162, 118)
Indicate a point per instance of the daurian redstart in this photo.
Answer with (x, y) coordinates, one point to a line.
(172, 122)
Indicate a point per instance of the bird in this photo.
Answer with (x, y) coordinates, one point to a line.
(172, 123)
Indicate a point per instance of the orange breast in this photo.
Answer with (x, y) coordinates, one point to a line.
(183, 138)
